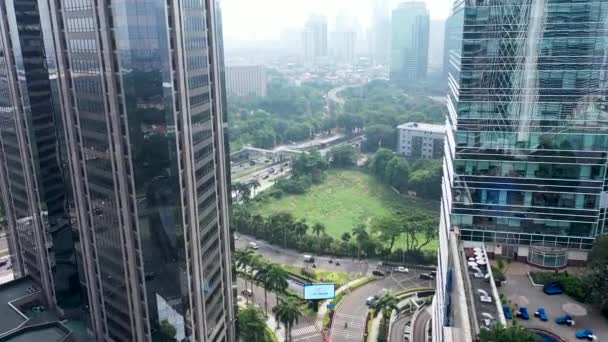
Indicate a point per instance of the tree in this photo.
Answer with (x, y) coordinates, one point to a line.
(167, 331)
(312, 164)
(379, 162)
(388, 229)
(254, 185)
(262, 277)
(419, 230)
(397, 172)
(252, 324)
(241, 191)
(379, 136)
(343, 156)
(426, 179)
(276, 278)
(513, 333)
(346, 237)
(243, 259)
(385, 304)
(318, 228)
(597, 273)
(288, 313)
(362, 236)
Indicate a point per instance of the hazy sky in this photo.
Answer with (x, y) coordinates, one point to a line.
(265, 19)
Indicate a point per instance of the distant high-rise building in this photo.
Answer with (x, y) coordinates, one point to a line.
(410, 42)
(246, 80)
(315, 38)
(436, 45)
(40, 234)
(525, 162)
(380, 32)
(344, 45)
(139, 90)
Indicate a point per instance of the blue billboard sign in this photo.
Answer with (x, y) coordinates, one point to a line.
(319, 291)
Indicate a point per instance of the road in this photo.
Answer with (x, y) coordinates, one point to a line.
(290, 257)
(303, 331)
(353, 309)
(398, 328)
(420, 325)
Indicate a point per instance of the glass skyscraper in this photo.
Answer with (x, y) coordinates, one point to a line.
(410, 42)
(137, 88)
(527, 143)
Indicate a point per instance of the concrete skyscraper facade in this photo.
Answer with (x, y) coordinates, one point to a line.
(525, 162)
(409, 42)
(139, 90)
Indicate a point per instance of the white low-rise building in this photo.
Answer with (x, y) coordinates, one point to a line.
(421, 140)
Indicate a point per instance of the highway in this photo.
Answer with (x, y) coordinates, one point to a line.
(420, 325)
(353, 309)
(290, 257)
(398, 328)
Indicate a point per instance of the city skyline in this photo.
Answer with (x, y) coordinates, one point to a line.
(242, 18)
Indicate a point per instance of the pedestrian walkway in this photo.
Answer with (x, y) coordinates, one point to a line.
(352, 330)
(272, 324)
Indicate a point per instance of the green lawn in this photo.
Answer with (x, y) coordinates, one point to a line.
(345, 199)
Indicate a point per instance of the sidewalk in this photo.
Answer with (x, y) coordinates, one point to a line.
(272, 324)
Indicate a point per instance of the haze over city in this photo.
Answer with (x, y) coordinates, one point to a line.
(246, 21)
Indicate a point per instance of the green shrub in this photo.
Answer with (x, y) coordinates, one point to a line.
(573, 285)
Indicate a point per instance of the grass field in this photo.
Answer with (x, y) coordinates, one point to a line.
(345, 199)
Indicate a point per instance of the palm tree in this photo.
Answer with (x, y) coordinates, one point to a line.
(255, 265)
(252, 324)
(288, 313)
(254, 185)
(262, 278)
(385, 304)
(318, 228)
(242, 260)
(276, 279)
(361, 233)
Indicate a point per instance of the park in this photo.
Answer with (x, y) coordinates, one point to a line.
(345, 199)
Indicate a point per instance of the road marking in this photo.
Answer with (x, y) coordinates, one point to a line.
(304, 331)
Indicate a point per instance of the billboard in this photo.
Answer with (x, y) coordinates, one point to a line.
(319, 291)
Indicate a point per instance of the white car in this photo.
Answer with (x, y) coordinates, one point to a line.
(402, 269)
(253, 245)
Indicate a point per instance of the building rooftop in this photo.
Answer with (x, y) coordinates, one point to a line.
(11, 318)
(20, 318)
(418, 126)
(484, 305)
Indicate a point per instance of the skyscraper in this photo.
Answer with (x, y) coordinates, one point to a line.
(380, 31)
(31, 178)
(409, 42)
(525, 163)
(315, 38)
(139, 86)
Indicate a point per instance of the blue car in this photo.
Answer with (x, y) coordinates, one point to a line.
(552, 289)
(585, 335)
(542, 314)
(564, 320)
(523, 314)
